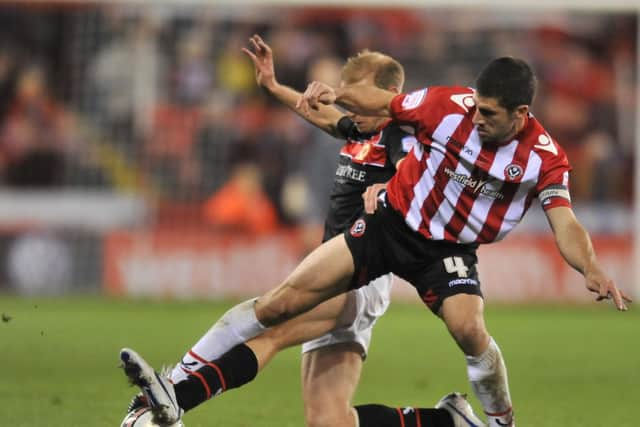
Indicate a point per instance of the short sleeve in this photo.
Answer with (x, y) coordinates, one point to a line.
(424, 109)
(409, 108)
(553, 184)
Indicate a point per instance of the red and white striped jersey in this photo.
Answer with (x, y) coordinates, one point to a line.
(453, 187)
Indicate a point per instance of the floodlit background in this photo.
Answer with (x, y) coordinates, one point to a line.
(124, 129)
(129, 131)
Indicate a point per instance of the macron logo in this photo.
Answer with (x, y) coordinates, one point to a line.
(464, 100)
(413, 99)
(545, 143)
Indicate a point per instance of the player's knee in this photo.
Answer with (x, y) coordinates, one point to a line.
(271, 312)
(317, 416)
(327, 409)
(273, 309)
(471, 335)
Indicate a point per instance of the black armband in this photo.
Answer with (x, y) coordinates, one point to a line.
(346, 127)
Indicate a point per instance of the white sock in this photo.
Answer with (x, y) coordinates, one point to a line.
(236, 326)
(488, 377)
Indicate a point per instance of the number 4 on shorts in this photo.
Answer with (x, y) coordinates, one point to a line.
(455, 264)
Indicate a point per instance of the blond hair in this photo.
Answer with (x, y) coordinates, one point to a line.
(387, 72)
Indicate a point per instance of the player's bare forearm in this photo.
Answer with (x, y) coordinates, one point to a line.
(325, 117)
(575, 246)
(365, 100)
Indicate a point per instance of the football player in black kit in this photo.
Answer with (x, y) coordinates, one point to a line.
(335, 335)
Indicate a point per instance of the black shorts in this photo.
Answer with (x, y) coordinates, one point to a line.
(382, 242)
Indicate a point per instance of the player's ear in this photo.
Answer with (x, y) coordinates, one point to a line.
(521, 111)
(394, 89)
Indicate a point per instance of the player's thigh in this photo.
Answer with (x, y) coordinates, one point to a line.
(325, 317)
(330, 376)
(323, 274)
(358, 316)
(450, 287)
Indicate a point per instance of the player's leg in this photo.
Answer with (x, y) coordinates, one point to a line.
(330, 376)
(332, 363)
(453, 410)
(303, 289)
(325, 317)
(345, 319)
(464, 316)
(202, 379)
(331, 371)
(324, 273)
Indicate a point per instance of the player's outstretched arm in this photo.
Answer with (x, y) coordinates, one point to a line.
(361, 99)
(325, 118)
(575, 246)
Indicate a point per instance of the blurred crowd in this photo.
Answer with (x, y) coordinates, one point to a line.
(166, 103)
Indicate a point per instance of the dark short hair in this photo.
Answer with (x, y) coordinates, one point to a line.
(509, 80)
(387, 72)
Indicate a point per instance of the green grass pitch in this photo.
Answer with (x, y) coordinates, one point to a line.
(568, 365)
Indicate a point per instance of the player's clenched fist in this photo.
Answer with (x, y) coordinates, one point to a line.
(316, 93)
(370, 197)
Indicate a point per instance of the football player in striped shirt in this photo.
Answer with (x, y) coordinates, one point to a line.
(482, 160)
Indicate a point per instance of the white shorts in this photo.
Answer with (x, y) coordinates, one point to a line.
(371, 301)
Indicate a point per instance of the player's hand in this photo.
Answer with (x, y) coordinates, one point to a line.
(262, 58)
(370, 197)
(317, 93)
(597, 282)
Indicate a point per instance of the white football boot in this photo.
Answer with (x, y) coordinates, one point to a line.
(460, 409)
(156, 388)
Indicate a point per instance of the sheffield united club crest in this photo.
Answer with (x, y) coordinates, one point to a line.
(513, 172)
(358, 227)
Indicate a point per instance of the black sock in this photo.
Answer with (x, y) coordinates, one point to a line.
(384, 416)
(236, 367)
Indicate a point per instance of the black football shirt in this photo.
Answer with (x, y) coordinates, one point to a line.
(365, 159)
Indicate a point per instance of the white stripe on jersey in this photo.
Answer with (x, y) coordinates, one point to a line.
(420, 193)
(516, 207)
(482, 205)
(418, 151)
(423, 187)
(453, 190)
